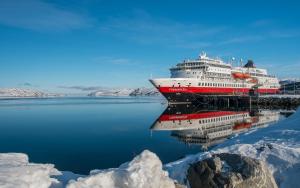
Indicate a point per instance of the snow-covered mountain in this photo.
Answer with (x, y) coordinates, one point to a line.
(125, 92)
(111, 92)
(25, 92)
(20, 92)
(145, 92)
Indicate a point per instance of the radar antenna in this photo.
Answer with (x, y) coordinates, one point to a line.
(202, 54)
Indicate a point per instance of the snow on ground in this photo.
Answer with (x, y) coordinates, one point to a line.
(16, 171)
(277, 145)
(144, 171)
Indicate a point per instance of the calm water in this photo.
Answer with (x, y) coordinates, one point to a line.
(81, 134)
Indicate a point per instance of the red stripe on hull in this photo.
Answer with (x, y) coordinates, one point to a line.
(198, 116)
(213, 90)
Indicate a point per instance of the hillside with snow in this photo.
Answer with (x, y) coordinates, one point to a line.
(145, 92)
(20, 92)
(125, 92)
(111, 92)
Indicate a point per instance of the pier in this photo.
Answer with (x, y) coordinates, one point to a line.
(243, 100)
(278, 100)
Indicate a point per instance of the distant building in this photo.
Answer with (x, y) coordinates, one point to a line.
(290, 87)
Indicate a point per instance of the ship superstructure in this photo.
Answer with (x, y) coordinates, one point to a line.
(208, 76)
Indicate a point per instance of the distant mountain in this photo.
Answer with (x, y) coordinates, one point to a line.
(18, 92)
(145, 92)
(111, 92)
(22, 92)
(125, 92)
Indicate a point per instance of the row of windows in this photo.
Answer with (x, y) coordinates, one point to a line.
(221, 84)
(221, 118)
(218, 75)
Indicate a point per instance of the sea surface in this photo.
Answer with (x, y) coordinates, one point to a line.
(80, 134)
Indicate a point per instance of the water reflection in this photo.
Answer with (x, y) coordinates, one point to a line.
(193, 125)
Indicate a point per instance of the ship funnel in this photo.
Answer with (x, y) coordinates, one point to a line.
(249, 64)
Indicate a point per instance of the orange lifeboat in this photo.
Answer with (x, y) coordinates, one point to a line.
(239, 75)
(253, 80)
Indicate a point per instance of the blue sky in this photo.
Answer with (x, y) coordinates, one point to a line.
(57, 44)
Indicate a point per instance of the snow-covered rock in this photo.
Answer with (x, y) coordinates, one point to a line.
(230, 170)
(20, 92)
(16, 171)
(144, 171)
(145, 92)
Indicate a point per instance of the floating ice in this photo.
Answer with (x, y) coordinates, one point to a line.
(16, 171)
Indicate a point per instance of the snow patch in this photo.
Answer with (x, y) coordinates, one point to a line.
(144, 171)
(16, 171)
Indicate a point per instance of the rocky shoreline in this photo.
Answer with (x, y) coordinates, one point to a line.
(230, 170)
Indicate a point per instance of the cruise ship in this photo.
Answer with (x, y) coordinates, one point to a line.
(211, 76)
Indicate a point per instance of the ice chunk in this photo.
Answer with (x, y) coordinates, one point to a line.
(144, 171)
(16, 171)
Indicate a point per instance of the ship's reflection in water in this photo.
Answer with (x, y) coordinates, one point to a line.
(209, 127)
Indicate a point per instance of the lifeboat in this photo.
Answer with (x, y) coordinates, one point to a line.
(253, 80)
(239, 75)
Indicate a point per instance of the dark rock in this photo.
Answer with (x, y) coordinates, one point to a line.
(230, 170)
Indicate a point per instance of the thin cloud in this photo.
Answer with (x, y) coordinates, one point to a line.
(39, 15)
(287, 69)
(242, 39)
(144, 29)
(115, 61)
(284, 33)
